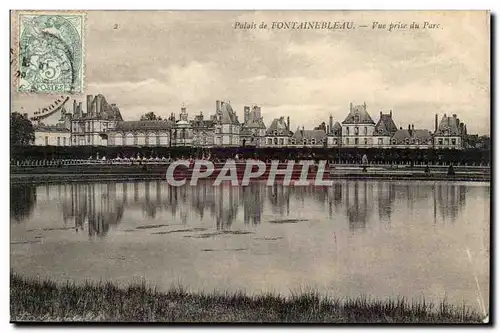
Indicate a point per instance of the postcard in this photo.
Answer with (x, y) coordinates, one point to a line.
(250, 166)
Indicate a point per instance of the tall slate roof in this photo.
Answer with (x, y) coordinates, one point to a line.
(228, 116)
(385, 125)
(301, 134)
(280, 126)
(142, 125)
(358, 115)
(422, 135)
(449, 126)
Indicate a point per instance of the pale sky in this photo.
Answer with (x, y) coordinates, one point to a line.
(155, 61)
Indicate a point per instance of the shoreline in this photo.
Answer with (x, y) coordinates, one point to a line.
(34, 299)
(27, 178)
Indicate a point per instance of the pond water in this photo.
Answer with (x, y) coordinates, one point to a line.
(373, 238)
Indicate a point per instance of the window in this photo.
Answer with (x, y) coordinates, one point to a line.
(313, 141)
(440, 141)
(275, 141)
(394, 141)
(347, 131)
(293, 141)
(407, 141)
(275, 133)
(366, 140)
(366, 130)
(453, 141)
(304, 141)
(158, 139)
(356, 141)
(446, 141)
(380, 141)
(347, 141)
(46, 140)
(356, 130)
(135, 139)
(269, 141)
(417, 141)
(281, 141)
(356, 118)
(88, 138)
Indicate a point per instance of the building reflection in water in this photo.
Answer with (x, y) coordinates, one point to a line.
(100, 206)
(22, 201)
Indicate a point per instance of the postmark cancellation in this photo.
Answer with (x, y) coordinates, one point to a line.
(50, 52)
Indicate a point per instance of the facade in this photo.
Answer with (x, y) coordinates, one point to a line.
(358, 128)
(91, 128)
(450, 133)
(53, 135)
(310, 138)
(253, 130)
(278, 134)
(385, 129)
(227, 129)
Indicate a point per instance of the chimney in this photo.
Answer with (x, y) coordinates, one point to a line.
(412, 127)
(380, 114)
(246, 113)
(350, 106)
(328, 128)
(89, 104)
(390, 113)
(364, 105)
(436, 123)
(217, 106)
(331, 122)
(74, 106)
(98, 104)
(288, 122)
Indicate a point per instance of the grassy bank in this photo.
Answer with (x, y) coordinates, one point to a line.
(41, 300)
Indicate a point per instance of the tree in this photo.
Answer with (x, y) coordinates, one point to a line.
(22, 132)
(150, 116)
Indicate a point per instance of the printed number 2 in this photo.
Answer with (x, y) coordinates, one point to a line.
(115, 26)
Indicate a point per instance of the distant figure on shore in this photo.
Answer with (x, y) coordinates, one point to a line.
(427, 169)
(364, 161)
(451, 171)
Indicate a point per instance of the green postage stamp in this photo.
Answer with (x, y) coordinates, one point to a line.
(51, 52)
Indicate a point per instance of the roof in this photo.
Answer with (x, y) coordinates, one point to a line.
(228, 115)
(336, 129)
(203, 123)
(301, 134)
(280, 126)
(422, 135)
(449, 126)
(142, 125)
(59, 128)
(358, 115)
(245, 131)
(385, 125)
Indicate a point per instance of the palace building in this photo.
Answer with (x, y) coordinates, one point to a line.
(101, 124)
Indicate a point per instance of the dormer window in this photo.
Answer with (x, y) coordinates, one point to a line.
(293, 141)
(417, 142)
(356, 118)
(304, 141)
(275, 133)
(407, 141)
(393, 141)
(313, 141)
